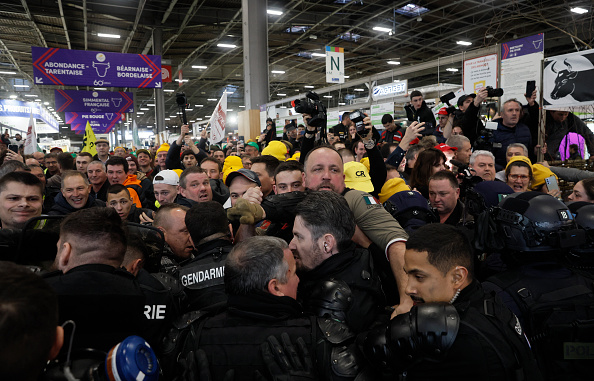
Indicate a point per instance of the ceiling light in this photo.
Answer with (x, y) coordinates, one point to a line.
(198, 105)
(46, 103)
(149, 126)
(167, 118)
(207, 116)
(465, 43)
(107, 35)
(31, 95)
(281, 95)
(199, 67)
(13, 96)
(189, 109)
(140, 113)
(382, 29)
(393, 62)
(37, 100)
(212, 99)
(579, 10)
(229, 92)
(99, 88)
(327, 96)
(359, 89)
(242, 106)
(341, 104)
(198, 118)
(168, 90)
(277, 71)
(145, 108)
(181, 80)
(318, 54)
(229, 109)
(20, 85)
(151, 104)
(231, 46)
(274, 12)
(347, 76)
(7, 72)
(283, 106)
(308, 87)
(452, 69)
(173, 116)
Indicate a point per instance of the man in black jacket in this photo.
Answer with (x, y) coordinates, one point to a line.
(323, 249)
(418, 111)
(75, 194)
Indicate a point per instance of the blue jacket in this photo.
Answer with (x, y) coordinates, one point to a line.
(506, 136)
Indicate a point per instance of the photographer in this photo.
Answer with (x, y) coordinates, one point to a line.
(468, 113)
(174, 159)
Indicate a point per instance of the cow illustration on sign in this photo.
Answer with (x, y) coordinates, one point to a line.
(568, 79)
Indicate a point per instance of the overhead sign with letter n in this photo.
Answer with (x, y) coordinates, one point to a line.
(334, 64)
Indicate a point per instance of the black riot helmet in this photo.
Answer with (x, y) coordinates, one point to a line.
(584, 219)
(536, 222)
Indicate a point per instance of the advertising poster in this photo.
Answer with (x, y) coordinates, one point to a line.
(390, 90)
(567, 80)
(480, 72)
(377, 112)
(521, 61)
(11, 108)
(53, 66)
(94, 101)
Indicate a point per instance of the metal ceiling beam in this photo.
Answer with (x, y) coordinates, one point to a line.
(141, 5)
(189, 15)
(149, 43)
(85, 23)
(64, 23)
(41, 39)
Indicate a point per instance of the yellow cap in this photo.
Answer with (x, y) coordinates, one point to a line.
(519, 158)
(296, 156)
(391, 187)
(232, 161)
(365, 162)
(540, 173)
(277, 149)
(178, 171)
(163, 148)
(356, 176)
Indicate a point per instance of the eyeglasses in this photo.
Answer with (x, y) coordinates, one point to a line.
(521, 177)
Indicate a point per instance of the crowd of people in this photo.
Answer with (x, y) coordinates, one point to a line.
(414, 253)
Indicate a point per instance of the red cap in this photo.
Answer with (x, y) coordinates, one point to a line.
(442, 111)
(56, 149)
(444, 147)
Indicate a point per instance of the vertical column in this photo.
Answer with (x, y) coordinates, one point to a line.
(159, 98)
(255, 53)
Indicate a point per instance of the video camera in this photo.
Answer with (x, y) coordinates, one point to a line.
(312, 105)
(182, 103)
(492, 93)
(485, 138)
(446, 98)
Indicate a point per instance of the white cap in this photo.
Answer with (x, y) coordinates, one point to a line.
(167, 176)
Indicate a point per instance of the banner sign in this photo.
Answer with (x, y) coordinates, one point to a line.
(99, 122)
(218, 120)
(567, 80)
(521, 61)
(378, 110)
(522, 46)
(480, 72)
(166, 73)
(53, 66)
(14, 108)
(390, 90)
(334, 64)
(94, 101)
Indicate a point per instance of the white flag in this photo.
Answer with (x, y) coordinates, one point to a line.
(218, 120)
(31, 142)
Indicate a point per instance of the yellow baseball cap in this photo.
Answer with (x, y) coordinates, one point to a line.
(391, 187)
(365, 162)
(296, 156)
(277, 149)
(231, 164)
(357, 176)
(539, 174)
(519, 158)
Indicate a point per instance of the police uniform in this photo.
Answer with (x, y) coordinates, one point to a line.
(203, 276)
(355, 268)
(232, 338)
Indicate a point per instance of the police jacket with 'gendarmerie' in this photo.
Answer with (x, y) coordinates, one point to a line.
(490, 344)
(355, 268)
(232, 338)
(203, 276)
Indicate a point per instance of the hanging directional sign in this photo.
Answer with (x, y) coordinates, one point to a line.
(94, 101)
(53, 66)
(96, 120)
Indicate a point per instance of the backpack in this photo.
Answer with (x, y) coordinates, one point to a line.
(557, 314)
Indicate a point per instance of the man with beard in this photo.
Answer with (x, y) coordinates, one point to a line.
(323, 251)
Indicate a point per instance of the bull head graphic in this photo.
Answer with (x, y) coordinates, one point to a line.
(565, 81)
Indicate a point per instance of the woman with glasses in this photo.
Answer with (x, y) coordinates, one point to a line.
(518, 173)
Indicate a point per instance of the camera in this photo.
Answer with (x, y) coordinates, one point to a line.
(311, 105)
(357, 118)
(182, 102)
(491, 92)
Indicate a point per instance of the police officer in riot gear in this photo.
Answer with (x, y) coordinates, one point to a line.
(261, 284)
(323, 249)
(203, 276)
(553, 300)
(455, 330)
